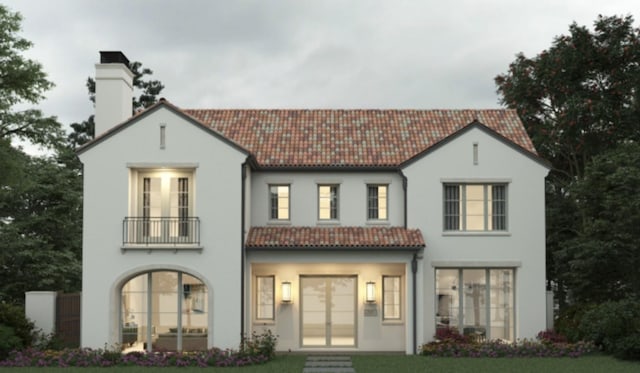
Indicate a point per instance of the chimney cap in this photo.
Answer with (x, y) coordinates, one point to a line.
(113, 57)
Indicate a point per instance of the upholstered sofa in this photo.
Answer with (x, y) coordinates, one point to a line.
(193, 339)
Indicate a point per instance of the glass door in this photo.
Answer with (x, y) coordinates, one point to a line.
(328, 311)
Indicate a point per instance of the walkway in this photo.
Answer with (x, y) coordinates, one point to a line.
(328, 364)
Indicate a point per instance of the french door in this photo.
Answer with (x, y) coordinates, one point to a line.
(328, 316)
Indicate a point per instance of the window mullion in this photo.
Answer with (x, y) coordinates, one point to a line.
(460, 302)
(463, 206)
(180, 298)
(487, 296)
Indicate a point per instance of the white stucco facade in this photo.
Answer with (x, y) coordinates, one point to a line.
(166, 195)
(217, 177)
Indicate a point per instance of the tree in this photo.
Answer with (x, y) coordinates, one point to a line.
(22, 81)
(40, 227)
(578, 99)
(605, 256)
(40, 198)
(84, 131)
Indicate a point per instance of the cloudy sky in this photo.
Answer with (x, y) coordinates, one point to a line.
(300, 54)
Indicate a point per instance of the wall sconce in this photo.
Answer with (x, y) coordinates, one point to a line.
(371, 292)
(286, 292)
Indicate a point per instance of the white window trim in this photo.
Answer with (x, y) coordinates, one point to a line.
(276, 221)
(264, 321)
(330, 221)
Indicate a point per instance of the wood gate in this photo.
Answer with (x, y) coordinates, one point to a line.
(68, 319)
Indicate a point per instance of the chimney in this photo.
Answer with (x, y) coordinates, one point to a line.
(114, 91)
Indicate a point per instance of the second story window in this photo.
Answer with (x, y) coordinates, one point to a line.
(161, 209)
(327, 202)
(475, 207)
(377, 202)
(279, 202)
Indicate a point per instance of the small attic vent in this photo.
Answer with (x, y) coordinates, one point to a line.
(113, 57)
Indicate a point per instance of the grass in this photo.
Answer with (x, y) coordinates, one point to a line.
(394, 363)
(408, 364)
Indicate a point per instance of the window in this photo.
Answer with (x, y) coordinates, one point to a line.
(279, 197)
(164, 310)
(327, 202)
(377, 202)
(161, 208)
(476, 302)
(391, 297)
(265, 297)
(475, 207)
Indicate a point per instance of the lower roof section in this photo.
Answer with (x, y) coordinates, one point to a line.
(367, 238)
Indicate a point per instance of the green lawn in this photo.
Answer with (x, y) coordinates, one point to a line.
(372, 364)
(396, 364)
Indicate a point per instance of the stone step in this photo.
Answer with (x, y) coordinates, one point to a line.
(328, 370)
(328, 358)
(328, 364)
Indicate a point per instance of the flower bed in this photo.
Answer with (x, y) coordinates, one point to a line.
(547, 345)
(105, 358)
(258, 349)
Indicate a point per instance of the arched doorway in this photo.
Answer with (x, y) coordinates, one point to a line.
(164, 310)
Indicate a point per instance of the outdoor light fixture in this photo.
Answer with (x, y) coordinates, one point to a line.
(371, 292)
(286, 292)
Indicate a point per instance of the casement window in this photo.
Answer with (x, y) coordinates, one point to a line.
(377, 202)
(476, 301)
(475, 207)
(265, 295)
(391, 298)
(279, 202)
(327, 202)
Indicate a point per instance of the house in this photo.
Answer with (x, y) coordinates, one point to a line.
(349, 230)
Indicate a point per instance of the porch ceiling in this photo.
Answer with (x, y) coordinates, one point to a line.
(396, 238)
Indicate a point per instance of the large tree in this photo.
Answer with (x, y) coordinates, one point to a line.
(605, 256)
(40, 197)
(22, 81)
(578, 99)
(149, 90)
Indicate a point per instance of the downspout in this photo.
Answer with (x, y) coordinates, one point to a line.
(242, 248)
(414, 276)
(405, 184)
(414, 268)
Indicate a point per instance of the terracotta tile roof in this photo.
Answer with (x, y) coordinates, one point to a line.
(343, 138)
(334, 237)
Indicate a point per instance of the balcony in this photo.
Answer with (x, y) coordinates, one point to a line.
(160, 232)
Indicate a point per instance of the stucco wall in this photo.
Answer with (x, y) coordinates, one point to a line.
(106, 202)
(523, 245)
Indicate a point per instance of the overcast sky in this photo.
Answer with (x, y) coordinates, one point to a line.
(299, 54)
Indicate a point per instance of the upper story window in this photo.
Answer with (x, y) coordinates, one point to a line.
(377, 202)
(475, 207)
(161, 209)
(279, 202)
(327, 202)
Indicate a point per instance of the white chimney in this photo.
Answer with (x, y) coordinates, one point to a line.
(114, 91)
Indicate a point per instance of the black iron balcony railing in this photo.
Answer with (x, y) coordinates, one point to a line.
(162, 231)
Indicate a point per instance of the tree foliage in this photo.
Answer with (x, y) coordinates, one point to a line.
(579, 99)
(22, 81)
(149, 90)
(604, 257)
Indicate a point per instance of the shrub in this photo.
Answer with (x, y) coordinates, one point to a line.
(259, 345)
(614, 327)
(551, 336)
(498, 348)
(568, 321)
(452, 335)
(16, 328)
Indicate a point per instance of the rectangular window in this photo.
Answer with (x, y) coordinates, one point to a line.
(475, 207)
(476, 301)
(265, 295)
(377, 202)
(391, 297)
(327, 202)
(279, 199)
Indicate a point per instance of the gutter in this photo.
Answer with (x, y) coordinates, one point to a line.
(414, 270)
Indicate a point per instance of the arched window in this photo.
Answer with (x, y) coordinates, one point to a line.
(164, 310)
